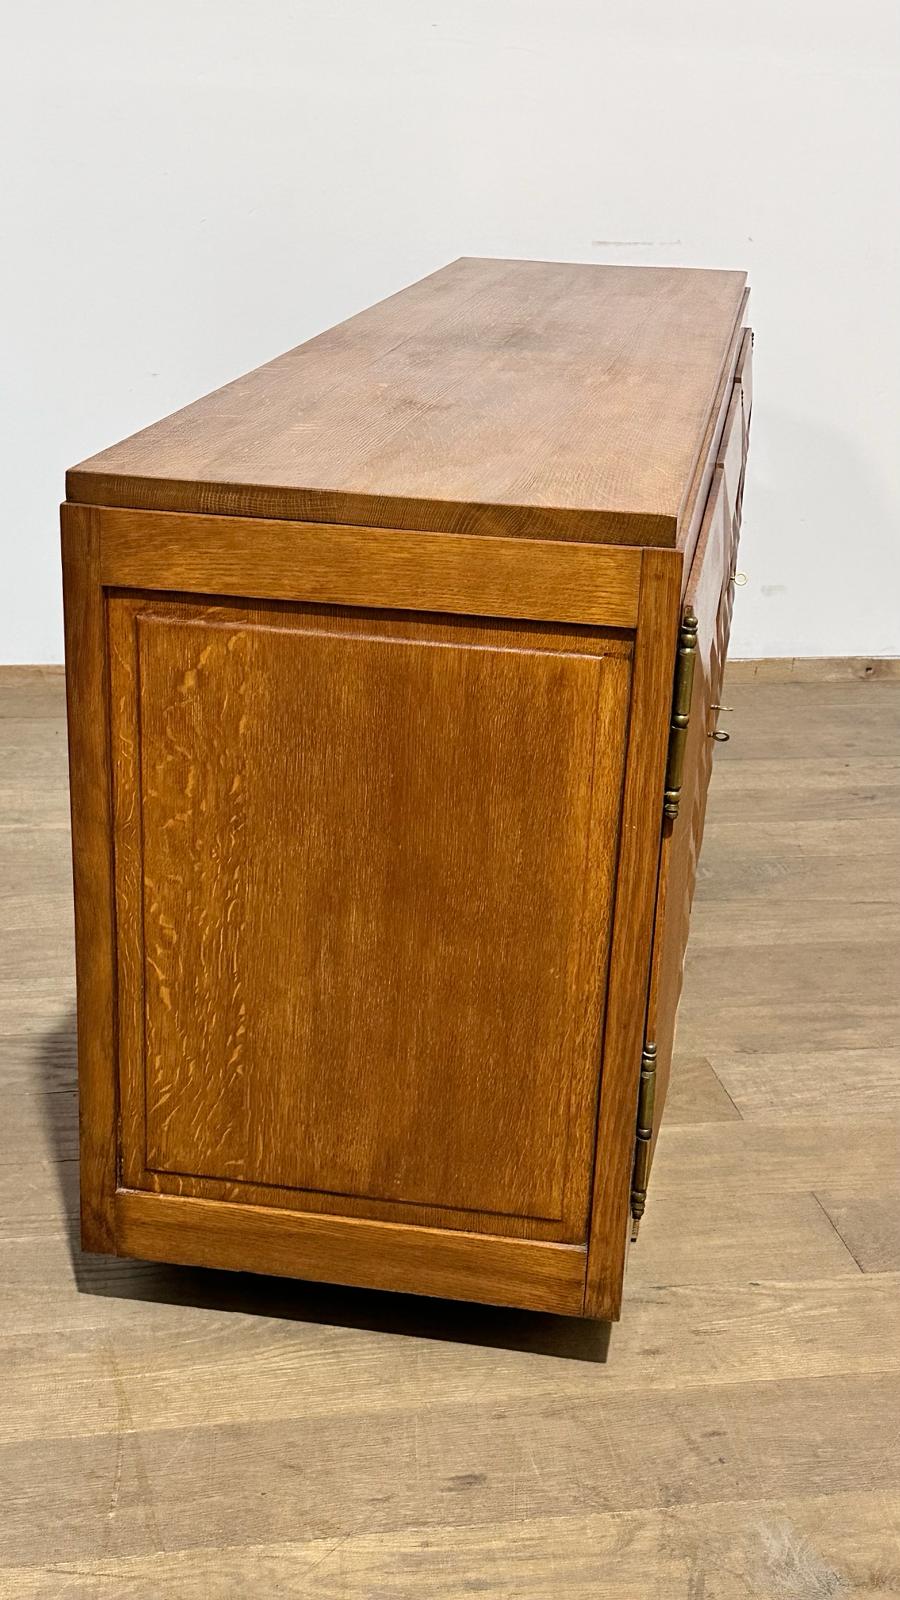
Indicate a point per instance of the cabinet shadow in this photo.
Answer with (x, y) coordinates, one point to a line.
(377, 1311)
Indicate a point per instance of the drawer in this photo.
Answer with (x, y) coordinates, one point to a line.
(732, 454)
(719, 433)
(713, 563)
(744, 377)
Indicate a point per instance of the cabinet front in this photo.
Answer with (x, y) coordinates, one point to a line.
(364, 874)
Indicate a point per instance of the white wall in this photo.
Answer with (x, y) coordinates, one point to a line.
(199, 184)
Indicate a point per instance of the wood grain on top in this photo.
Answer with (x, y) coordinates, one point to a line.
(513, 397)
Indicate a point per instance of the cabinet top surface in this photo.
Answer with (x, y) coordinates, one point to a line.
(509, 397)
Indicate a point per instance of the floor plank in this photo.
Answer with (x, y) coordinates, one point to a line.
(806, 787)
(459, 1463)
(825, 1083)
(697, 1094)
(854, 859)
(797, 721)
(736, 924)
(251, 1368)
(869, 1225)
(777, 1158)
(735, 1235)
(811, 1548)
(34, 692)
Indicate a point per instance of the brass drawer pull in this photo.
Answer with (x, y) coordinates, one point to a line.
(739, 579)
(719, 733)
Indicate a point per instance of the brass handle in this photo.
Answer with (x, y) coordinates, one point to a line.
(716, 707)
(739, 579)
(719, 734)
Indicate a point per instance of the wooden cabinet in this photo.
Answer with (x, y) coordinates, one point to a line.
(384, 844)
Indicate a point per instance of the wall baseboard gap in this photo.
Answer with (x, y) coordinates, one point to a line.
(769, 669)
(812, 669)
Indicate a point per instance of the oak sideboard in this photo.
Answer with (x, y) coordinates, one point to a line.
(393, 680)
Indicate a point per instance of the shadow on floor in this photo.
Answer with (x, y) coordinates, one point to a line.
(380, 1312)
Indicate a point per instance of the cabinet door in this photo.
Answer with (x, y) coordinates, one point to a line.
(364, 875)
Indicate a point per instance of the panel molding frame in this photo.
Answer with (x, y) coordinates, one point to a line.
(335, 1249)
(544, 580)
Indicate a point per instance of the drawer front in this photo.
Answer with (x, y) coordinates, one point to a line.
(719, 434)
(744, 377)
(709, 597)
(731, 457)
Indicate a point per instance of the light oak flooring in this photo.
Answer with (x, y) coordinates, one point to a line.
(737, 1437)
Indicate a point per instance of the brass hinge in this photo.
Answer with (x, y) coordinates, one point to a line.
(681, 711)
(643, 1137)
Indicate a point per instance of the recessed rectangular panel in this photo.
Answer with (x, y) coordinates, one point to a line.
(365, 881)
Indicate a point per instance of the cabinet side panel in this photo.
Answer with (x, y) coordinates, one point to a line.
(89, 779)
(632, 928)
(372, 1255)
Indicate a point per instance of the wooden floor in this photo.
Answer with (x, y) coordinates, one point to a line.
(196, 1435)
